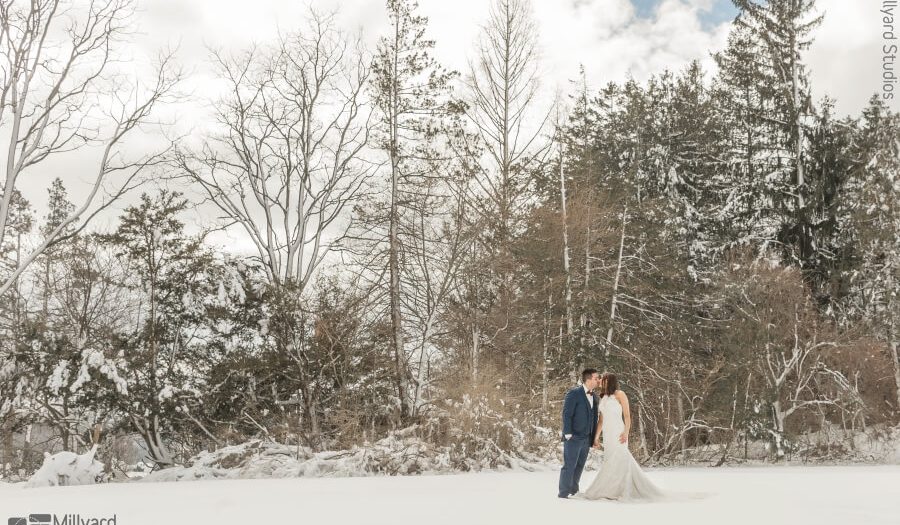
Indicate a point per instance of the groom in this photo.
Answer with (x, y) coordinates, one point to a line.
(579, 423)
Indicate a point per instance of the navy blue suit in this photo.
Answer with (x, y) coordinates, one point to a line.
(579, 419)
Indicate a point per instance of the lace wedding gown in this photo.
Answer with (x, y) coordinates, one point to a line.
(620, 476)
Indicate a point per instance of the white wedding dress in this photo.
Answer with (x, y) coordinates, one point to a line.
(620, 476)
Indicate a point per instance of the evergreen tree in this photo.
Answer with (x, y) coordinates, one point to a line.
(742, 106)
(687, 165)
(171, 272)
(413, 101)
(831, 163)
(59, 209)
(763, 98)
(873, 207)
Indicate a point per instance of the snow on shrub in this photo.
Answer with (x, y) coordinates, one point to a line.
(67, 468)
(402, 452)
(94, 359)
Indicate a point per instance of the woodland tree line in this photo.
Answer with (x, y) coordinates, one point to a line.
(442, 251)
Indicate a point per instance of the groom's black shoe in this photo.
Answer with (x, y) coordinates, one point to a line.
(563, 496)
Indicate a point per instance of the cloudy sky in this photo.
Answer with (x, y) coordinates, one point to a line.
(611, 38)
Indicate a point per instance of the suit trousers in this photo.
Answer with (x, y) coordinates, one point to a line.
(575, 453)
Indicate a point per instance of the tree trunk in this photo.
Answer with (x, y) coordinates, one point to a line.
(584, 321)
(312, 416)
(894, 357)
(778, 416)
(45, 299)
(642, 434)
(681, 439)
(613, 301)
(474, 329)
(400, 371)
(892, 335)
(545, 371)
(151, 433)
(565, 236)
(798, 129)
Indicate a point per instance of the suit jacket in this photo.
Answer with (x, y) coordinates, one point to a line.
(578, 417)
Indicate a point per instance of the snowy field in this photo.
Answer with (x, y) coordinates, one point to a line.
(745, 495)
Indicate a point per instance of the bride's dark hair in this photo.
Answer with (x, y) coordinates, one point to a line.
(612, 384)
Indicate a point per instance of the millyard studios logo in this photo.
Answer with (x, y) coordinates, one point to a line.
(889, 49)
(55, 519)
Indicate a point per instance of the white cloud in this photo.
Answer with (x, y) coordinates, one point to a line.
(845, 58)
(606, 36)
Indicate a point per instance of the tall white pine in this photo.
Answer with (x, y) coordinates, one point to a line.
(412, 96)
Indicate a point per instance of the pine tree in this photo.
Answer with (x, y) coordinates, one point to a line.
(59, 209)
(773, 36)
(831, 163)
(686, 164)
(742, 105)
(169, 268)
(19, 224)
(873, 205)
(413, 99)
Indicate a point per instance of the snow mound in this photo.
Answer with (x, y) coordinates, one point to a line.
(401, 453)
(67, 468)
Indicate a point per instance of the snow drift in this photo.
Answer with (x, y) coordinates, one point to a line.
(401, 453)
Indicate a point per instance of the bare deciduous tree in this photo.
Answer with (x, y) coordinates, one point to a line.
(59, 93)
(503, 88)
(286, 162)
(502, 100)
(285, 167)
(795, 375)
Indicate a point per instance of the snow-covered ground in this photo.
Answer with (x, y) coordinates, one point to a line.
(744, 495)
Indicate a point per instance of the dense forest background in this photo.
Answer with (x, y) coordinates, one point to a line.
(439, 253)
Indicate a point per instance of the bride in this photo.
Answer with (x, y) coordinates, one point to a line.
(620, 476)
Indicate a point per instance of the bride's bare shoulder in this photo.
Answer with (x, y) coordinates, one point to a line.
(620, 395)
